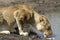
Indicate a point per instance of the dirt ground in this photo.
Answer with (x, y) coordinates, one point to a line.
(17, 37)
(41, 6)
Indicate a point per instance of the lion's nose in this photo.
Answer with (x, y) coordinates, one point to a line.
(47, 33)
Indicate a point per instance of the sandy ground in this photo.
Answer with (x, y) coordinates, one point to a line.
(41, 6)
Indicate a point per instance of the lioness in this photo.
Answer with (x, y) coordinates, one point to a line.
(24, 14)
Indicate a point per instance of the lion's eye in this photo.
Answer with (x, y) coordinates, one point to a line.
(41, 19)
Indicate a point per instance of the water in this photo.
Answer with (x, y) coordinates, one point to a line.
(54, 19)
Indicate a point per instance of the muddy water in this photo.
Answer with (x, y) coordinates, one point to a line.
(54, 19)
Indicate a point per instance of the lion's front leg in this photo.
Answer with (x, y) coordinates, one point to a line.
(19, 17)
(20, 28)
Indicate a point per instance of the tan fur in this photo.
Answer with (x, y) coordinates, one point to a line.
(25, 14)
